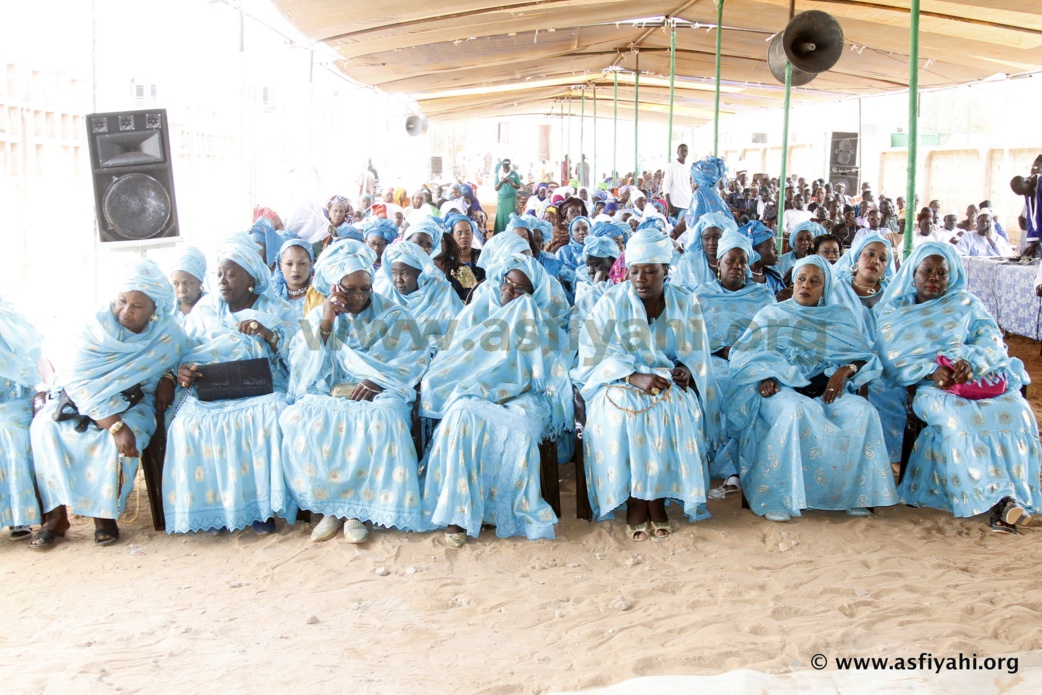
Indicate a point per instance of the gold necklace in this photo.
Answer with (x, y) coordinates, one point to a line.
(871, 290)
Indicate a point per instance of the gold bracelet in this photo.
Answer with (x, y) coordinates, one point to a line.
(630, 411)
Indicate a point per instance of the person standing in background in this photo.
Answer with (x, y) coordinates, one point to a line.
(506, 187)
(582, 171)
(677, 184)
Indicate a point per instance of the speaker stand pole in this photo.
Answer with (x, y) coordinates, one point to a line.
(672, 79)
(615, 135)
(784, 159)
(636, 122)
(913, 124)
(716, 107)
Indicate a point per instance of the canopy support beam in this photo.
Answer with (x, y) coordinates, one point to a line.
(913, 125)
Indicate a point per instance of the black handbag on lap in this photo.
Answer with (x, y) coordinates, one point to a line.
(815, 388)
(67, 409)
(224, 381)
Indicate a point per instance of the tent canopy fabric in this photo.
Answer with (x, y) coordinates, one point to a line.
(475, 58)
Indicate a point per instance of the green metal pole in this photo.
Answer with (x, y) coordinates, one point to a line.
(593, 167)
(913, 124)
(636, 122)
(563, 151)
(582, 137)
(716, 108)
(784, 159)
(568, 170)
(615, 135)
(672, 78)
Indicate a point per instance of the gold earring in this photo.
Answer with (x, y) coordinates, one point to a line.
(153, 318)
(251, 288)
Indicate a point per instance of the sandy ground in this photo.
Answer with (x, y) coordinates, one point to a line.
(405, 614)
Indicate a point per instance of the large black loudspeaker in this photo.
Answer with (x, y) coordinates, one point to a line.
(844, 150)
(133, 180)
(849, 176)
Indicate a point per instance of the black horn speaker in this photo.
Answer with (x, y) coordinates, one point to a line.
(132, 175)
(813, 41)
(776, 62)
(415, 125)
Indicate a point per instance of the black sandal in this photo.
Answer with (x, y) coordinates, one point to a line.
(106, 536)
(45, 539)
(998, 524)
(1010, 511)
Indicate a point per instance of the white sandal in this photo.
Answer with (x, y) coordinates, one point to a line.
(326, 529)
(780, 517)
(355, 531)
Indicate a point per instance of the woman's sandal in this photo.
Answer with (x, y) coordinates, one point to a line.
(999, 526)
(1010, 511)
(106, 536)
(638, 532)
(660, 531)
(45, 539)
(732, 485)
(20, 533)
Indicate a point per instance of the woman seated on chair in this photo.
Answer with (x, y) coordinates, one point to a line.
(644, 371)
(87, 440)
(765, 245)
(19, 355)
(409, 278)
(729, 303)
(807, 441)
(861, 275)
(500, 388)
(801, 239)
(979, 451)
(187, 275)
(291, 280)
(347, 451)
(698, 264)
(223, 467)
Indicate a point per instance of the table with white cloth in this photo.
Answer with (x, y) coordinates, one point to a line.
(1008, 291)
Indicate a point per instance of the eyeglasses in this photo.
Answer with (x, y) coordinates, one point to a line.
(515, 288)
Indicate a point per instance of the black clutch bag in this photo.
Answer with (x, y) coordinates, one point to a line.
(224, 381)
(815, 388)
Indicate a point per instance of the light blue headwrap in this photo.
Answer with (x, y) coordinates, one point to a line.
(599, 247)
(501, 246)
(734, 240)
(544, 227)
(191, 261)
(410, 254)
(650, 246)
(814, 228)
(263, 232)
(450, 221)
(827, 296)
(350, 232)
(902, 287)
(572, 224)
(725, 223)
(381, 227)
(542, 290)
(516, 221)
(278, 280)
(342, 259)
(847, 261)
(607, 230)
(242, 250)
(430, 226)
(146, 276)
(756, 231)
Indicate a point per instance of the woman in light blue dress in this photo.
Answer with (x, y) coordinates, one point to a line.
(646, 375)
(973, 456)
(762, 271)
(729, 303)
(800, 240)
(86, 459)
(861, 276)
(347, 452)
(592, 278)
(409, 278)
(571, 253)
(500, 388)
(698, 263)
(807, 441)
(19, 355)
(291, 279)
(187, 274)
(379, 232)
(223, 458)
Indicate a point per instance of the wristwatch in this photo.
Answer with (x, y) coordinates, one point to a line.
(116, 427)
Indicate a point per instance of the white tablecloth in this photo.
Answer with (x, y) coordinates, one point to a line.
(1008, 291)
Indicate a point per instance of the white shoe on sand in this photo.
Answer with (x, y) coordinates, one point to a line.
(355, 531)
(326, 529)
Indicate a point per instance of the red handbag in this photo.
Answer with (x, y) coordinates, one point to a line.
(990, 386)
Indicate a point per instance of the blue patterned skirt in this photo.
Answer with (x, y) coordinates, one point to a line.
(18, 505)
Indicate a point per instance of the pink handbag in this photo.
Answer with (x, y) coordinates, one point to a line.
(990, 386)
